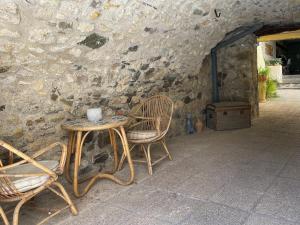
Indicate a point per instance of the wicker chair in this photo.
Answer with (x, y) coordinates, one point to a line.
(149, 124)
(23, 180)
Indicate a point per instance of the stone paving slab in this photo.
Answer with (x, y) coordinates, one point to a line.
(282, 200)
(103, 214)
(145, 221)
(203, 185)
(237, 197)
(257, 219)
(214, 214)
(292, 170)
(173, 208)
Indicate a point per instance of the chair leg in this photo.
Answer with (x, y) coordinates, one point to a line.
(121, 161)
(17, 210)
(149, 159)
(66, 198)
(5, 220)
(166, 149)
(145, 152)
(123, 158)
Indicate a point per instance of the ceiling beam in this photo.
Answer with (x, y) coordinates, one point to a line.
(281, 36)
(276, 28)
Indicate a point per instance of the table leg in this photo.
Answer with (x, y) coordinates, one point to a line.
(77, 163)
(115, 148)
(122, 135)
(128, 154)
(69, 154)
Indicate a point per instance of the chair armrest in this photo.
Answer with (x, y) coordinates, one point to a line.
(156, 121)
(63, 156)
(144, 118)
(25, 158)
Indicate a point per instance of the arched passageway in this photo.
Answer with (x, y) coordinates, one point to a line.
(60, 57)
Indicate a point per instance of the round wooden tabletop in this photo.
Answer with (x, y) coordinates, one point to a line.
(85, 125)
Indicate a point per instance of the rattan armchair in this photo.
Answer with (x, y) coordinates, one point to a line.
(149, 124)
(23, 180)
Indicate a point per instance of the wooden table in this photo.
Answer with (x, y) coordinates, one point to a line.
(78, 131)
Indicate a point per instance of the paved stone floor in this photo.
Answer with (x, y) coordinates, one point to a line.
(241, 177)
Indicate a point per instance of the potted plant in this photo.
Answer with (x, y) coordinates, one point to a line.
(275, 66)
(263, 74)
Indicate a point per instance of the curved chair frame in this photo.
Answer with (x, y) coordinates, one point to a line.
(155, 113)
(9, 193)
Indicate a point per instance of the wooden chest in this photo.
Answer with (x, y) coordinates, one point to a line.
(228, 115)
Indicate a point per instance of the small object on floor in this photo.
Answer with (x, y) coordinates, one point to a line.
(100, 157)
(199, 126)
(189, 124)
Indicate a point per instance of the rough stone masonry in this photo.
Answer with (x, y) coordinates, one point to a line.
(59, 57)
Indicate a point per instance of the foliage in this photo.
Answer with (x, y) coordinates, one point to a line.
(274, 62)
(271, 88)
(263, 73)
(271, 85)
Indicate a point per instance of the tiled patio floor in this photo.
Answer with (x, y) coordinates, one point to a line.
(249, 177)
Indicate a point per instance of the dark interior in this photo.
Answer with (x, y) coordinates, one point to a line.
(289, 52)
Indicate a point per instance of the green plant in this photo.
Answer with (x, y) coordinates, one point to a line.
(274, 62)
(263, 73)
(271, 88)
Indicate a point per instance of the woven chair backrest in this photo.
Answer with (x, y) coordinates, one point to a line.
(158, 107)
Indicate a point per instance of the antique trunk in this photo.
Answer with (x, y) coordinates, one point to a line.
(228, 115)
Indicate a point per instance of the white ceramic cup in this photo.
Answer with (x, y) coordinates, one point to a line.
(94, 114)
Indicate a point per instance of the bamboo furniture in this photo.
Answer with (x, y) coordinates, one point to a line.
(150, 122)
(4, 218)
(78, 131)
(23, 180)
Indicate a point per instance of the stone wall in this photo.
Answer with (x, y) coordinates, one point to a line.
(59, 57)
(237, 72)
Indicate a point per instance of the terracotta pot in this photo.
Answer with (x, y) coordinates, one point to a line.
(199, 126)
(262, 91)
(262, 78)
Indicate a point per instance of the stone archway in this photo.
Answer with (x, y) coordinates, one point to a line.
(60, 57)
